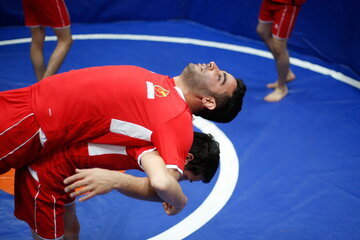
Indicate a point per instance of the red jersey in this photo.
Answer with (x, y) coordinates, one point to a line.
(122, 105)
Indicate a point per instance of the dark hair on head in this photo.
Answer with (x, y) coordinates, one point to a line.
(227, 107)
(206, 153)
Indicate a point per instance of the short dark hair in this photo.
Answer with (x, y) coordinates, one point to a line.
(227, 107)
(206, 153)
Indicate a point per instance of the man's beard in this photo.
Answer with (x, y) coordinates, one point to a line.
(193, 79)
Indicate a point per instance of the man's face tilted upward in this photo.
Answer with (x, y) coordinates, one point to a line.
(220, 93)
(209, 79)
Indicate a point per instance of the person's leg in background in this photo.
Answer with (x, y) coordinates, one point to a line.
(275, 38)
(47, 13)
(71, 223)
(278, 48)
(64, 42)
(37, 51)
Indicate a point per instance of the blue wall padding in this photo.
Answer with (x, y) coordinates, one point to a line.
(325, 29)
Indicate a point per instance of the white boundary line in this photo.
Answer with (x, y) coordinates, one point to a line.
(232, 47)
(229, 164)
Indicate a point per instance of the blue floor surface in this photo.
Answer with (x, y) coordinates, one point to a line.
(299, 158)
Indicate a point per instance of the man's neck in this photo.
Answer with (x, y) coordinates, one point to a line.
(193, 101)
(179, 83)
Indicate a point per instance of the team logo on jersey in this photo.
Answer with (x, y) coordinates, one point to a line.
(155, 90)
(160, 91)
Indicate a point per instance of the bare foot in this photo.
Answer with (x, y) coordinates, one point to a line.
(290, 77)
(277, 95)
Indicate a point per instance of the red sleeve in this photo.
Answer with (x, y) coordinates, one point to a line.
(136, 152)
(173, 140)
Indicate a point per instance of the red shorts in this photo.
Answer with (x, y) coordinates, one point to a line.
(282, 16)
(19, 131)
(42, 209)
(47, 13)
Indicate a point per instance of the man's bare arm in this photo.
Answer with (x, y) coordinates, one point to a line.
(160, 185)
(96, 181)
(164, 181)
(138, 188)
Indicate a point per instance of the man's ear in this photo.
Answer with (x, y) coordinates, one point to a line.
(189, 158)
(209, 102)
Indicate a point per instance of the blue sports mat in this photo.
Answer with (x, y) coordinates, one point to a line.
(299, 158)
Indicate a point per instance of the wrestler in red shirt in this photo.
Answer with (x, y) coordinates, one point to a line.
(40, 199)
(124, 105)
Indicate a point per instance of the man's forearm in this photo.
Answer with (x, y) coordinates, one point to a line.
(164, 180)
(96, 181)
(135, 187)
(171, 192)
